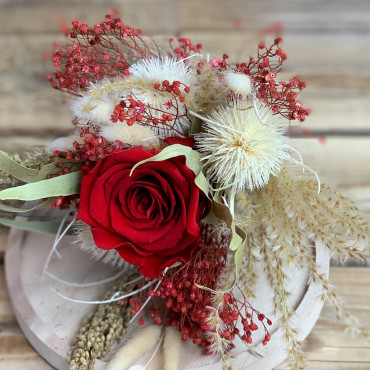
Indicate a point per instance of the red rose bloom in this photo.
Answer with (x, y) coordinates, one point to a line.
(152, 218)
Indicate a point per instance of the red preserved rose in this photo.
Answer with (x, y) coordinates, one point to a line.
(152, 218)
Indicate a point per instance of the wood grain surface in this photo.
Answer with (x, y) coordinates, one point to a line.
(328, 45)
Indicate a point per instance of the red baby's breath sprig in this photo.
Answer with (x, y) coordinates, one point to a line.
(93, 148)
(173, 89)
(221, 64)
(249, 317)
(184, 49)
(280, 96)
(188, 305)
(131, 110)
(65, 202)
(104, 50)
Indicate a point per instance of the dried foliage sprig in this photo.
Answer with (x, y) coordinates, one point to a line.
(99, 330)
(282, 231)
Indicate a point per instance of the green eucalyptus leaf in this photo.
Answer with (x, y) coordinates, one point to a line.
(50, 227)
(7, 208)
(11, 167)
(238, 236)
(15, 169)
(61, 185)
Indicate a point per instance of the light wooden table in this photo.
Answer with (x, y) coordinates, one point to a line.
(328, 45)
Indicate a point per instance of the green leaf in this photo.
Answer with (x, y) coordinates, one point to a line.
(192, 159)
(6, 208)
(238, 236)
(222, 212)
(61, 185)
(50, 227)
(11, 167)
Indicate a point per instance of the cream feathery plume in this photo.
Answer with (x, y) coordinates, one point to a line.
(143, 340)
(134, 135)
(241, 146)
(64, 143)
(239, 83)
(97, 109)
(147, 72)
(96, 106)
(172, 347)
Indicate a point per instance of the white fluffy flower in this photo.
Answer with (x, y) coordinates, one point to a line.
(240, 152)
(64, 143)
(150, 71)
(96, 105)
(96, 110)
(147, 72)
(135, 135)
(239, 83)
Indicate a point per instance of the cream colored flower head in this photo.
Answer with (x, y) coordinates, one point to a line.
(239, 150)
(239, 83)
(147, 72)
(96, 106)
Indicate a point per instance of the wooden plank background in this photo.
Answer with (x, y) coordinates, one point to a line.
(328, 45)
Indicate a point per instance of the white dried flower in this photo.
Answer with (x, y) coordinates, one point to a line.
(96, 110)
(239, 83)
(64, 144)
(239, 150)
(147, 72)
(96, 105)
(135, 135)
(208, 89)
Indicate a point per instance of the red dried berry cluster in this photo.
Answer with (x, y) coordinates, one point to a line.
(93, 148)
(186, 302)
(281, 97)
(173, 89)
(86, 154)
(131, 110)
(184, 49)
(188, 306)
(105, 50)
(65, 202)
(248, 317)
(65, 167)
(221, 64)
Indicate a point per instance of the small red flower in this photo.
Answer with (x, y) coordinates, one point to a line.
(152, 218)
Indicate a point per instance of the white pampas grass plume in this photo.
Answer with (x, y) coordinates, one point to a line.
(147, 72)
(135, 135)
(63, 143)
(137, 367)
(172, 346)
(238, 150)
(239, 83)
(96, 110)
(143, 340)
(96, 105)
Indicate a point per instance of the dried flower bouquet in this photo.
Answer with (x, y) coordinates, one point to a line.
(179, 173)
